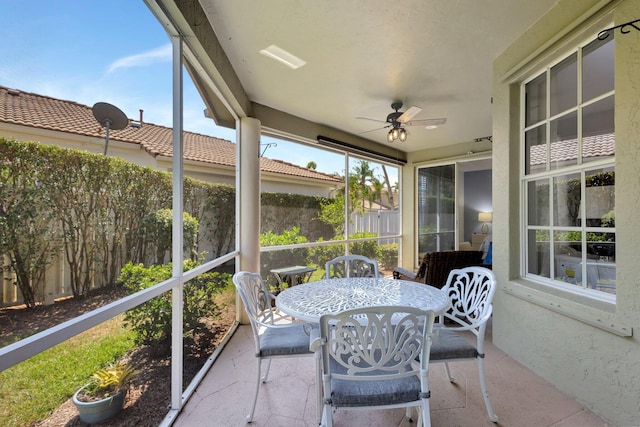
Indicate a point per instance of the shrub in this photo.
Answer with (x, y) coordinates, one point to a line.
(609, 219)
(320, 255)
(151, 321)
(159, 231)
(389, 256)
(370, 248)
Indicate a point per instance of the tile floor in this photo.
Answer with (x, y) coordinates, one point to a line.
(519, 397)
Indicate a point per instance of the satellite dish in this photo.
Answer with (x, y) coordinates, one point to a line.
(110, 117)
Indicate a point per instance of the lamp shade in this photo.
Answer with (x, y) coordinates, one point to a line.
(485, 216)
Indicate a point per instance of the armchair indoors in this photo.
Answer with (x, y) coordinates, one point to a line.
(368, 359)
(271, 339)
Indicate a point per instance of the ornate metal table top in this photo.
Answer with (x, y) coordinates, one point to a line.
(311, 300)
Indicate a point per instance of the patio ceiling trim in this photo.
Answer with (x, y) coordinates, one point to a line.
(279, 123)
(352, 149)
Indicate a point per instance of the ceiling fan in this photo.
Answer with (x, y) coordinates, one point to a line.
(397, 120)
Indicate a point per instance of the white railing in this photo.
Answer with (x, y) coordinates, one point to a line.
(28, 347)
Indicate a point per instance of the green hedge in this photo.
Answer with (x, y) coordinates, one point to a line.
(94, 209)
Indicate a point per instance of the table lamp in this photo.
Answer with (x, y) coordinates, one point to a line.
(485, 217)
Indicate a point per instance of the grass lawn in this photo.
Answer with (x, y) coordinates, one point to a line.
(30, 390)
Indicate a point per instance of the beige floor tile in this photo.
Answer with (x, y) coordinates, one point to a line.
(520, 398)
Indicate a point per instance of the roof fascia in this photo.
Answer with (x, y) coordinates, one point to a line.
(205, 59)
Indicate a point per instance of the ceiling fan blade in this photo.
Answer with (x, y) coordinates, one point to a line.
(373, 120)
(373, 130)
(426, 122)
(409, 114)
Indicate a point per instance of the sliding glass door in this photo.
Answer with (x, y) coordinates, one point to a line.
(436, 208)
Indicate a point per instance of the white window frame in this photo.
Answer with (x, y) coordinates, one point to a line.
(550, 173)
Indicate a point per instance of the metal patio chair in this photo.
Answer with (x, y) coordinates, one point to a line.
(271, 339)
(471, 292)
(369, 360)
(351, 266)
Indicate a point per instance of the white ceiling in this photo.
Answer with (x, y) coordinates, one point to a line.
(361, 55)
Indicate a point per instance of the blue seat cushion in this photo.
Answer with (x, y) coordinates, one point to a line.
(280, 341)
(354, 393)
(448, 345)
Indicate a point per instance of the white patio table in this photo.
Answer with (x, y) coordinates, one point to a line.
(311, 300)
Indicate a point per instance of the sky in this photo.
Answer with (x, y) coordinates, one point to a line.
(114, 51)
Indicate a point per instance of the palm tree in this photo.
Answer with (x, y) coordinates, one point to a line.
(363, 176)
(388, 184)
(375, 192)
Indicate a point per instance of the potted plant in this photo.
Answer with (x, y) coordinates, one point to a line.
(103, 397)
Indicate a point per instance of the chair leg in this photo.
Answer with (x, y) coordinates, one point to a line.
(318, 356)
(266, 372)
(409, 414)
(327, 409)
(327, 416)
(485, 393)
(424, 414)
(249, 417)
(446, 368)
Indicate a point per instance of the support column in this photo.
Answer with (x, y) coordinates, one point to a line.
(248, 204)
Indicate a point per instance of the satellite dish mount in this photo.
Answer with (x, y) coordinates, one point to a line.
(110, 117)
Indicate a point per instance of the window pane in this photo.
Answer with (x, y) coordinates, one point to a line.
(597, 68)
(600, 198)
(535, 100)
(568, 256)
(598, 130)
(538, 253)
(538, 202)
(373, 207)
(536, 150)
(564, 141)
(436, 209)
(601, 262)
(566, 200)
(564, 85)
(373, 198)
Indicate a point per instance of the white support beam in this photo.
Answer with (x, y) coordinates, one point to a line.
(177, 231)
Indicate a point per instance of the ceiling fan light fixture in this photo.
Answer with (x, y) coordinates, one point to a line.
(397, 121)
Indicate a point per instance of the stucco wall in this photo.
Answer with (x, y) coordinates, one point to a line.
(568, 339)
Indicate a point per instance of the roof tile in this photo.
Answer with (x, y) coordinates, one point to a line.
(37, 111)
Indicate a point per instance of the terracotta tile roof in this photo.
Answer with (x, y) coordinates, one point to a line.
(567, 150)
(37, 111)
